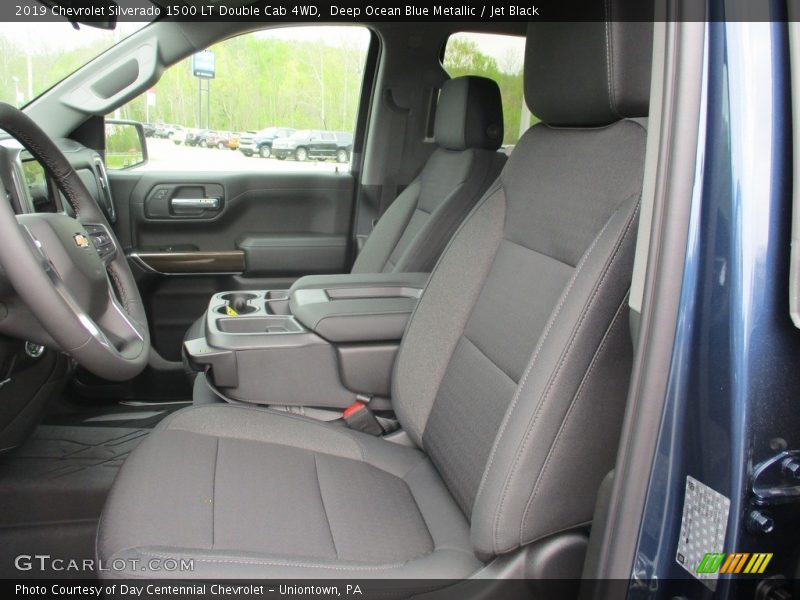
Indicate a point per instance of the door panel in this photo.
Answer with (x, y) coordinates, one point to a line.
(189, 235)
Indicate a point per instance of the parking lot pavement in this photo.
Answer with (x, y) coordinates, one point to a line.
(165, 155)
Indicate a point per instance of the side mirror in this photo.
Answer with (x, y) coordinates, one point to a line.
(125, 144)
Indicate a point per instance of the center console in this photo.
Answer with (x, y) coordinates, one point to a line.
(320, 343)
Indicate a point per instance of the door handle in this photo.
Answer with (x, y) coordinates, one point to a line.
(197, 203)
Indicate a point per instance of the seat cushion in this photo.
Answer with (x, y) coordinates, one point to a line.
(250, 493)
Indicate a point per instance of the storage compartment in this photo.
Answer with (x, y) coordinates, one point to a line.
(240, 325)
(277, 302)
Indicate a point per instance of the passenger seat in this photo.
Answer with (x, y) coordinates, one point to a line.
(415, 229)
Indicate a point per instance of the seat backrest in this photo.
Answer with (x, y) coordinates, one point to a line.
(415, 229)
(514, 369)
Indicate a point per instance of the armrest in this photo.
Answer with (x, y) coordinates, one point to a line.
(357, 308)
(283, 253)
(362, 280)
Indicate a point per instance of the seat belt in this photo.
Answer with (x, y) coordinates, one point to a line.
(394, 158)
(398, 123)
(359, 416)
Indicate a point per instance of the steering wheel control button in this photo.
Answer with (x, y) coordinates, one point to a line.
(81, 241)
(101, 240)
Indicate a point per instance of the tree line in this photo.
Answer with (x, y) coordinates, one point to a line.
(260, 82)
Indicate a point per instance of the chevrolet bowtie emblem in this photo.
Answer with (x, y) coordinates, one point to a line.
(81, 241)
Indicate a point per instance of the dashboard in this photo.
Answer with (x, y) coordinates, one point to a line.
(32, 190)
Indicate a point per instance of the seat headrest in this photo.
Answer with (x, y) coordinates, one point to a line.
(469, 114)
(589, 73)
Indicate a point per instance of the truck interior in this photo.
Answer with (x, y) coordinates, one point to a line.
(423, 364)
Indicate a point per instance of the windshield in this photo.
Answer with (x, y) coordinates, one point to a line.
(38, 55)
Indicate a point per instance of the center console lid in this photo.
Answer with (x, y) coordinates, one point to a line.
(357, 307)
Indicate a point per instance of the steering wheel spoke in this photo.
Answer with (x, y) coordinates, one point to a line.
(118, 329)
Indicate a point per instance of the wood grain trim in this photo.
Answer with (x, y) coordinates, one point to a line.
(192, 263)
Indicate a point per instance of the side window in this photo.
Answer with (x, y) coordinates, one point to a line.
(256, 96)
(498, 57)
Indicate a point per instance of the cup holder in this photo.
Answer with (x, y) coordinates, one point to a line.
(239, 297)
(244, 309)
(239, 302)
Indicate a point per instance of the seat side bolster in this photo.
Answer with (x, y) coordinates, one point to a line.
(502, 519)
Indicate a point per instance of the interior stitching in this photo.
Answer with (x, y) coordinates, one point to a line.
(324, 508)
(489, 358)
(574, 402)
(611, 90)
(339, 434)
(214, 494)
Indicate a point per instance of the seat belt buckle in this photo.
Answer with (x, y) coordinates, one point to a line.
(359, 416)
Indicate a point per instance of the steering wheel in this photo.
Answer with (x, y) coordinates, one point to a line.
(70, 272)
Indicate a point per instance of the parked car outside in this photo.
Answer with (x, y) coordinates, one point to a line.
(233, 142)
(218, 139)
(166, 130)
(205, 136)
(194, 136)
(178, 135)
(149, 129)
(175, 130)
(314, 144)
(160, 130)
(260, 143)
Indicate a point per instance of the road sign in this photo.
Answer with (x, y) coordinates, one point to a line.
(204, 65)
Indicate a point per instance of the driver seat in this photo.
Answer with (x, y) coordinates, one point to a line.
(511, 380)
